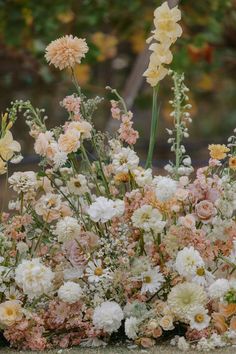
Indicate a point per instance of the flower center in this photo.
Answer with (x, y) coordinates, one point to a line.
(199, 318)
(200, 271)
(147, 279)
(9, 312)
(77, 184)
(98, 271)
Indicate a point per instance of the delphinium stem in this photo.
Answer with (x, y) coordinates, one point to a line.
(153, 132)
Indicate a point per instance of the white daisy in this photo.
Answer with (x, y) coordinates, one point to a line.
(95, 271)
(151, 280)
(199, 318)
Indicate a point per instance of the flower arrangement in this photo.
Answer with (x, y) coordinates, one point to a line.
(95, 247)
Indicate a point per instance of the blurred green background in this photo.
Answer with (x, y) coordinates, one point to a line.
(116, 33)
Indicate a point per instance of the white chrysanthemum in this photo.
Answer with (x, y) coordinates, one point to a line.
(126, 160)
(148, 218)
(199, 318)
(185, 297)
(70, 292)
(218, 288)
(108, 316)
(187, 261)
(151, 280)
(24, 182)
(67, 228)
(104, 209)
(165, 188)
(34, 277)
(143, 177)
(131, 327)
(78, 185)
(95, 271)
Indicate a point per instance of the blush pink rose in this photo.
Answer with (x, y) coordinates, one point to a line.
(205, 211)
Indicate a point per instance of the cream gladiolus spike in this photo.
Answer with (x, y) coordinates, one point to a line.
(166, 31)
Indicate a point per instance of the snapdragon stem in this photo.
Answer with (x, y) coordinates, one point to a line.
(153, 132)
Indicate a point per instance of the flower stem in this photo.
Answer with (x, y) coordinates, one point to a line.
(153, 132)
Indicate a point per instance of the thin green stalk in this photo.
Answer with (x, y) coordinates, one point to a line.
(153, 131)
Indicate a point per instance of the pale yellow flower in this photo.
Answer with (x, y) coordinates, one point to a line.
(161, 54)
(10, 312)
(8, 146)
(66, 51)
(155, 74)
(165, 22)
(232, 163)
(166, 31)
(218, 151)
(3, 167)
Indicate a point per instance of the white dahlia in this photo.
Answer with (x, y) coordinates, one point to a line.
(108, 316)
(70, 292)
(34, 277)
(185, 297)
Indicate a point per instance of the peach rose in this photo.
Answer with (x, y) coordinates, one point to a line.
(227, 310)
(219, 322)
(166, 322)
(205, 210)
(233, 323)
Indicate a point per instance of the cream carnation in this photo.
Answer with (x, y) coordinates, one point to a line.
(218, 288)
(108, 316)
(184, 298)
(67, 229)
(104, 209)
(131, 327)
(66, 51)
(70, 292)
(23, 181)
(166, 188)
(34, 277)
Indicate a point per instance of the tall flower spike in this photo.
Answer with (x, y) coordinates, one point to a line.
(166, 31)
